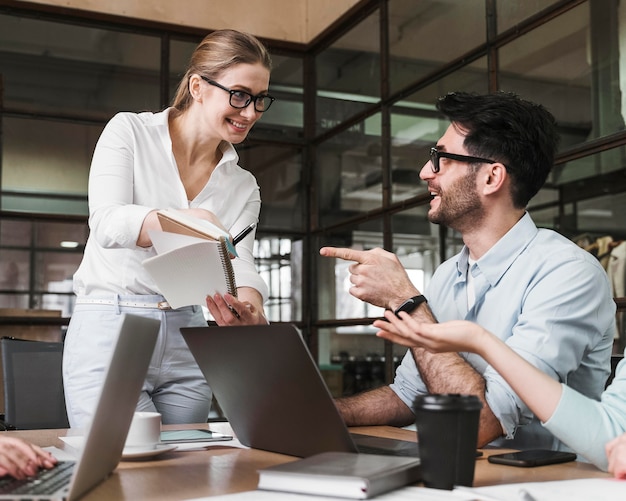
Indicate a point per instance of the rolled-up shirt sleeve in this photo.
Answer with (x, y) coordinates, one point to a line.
(563, 318)
(408, 384)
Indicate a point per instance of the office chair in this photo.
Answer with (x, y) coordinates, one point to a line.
(33, 384)
(615, 359)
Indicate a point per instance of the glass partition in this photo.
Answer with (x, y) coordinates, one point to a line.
(512, 13)
(279, 262)
(37, 262)
(68, 69)
(572, 66)
(349, 172)
(416, 243)
(424, 36)
(45, 165)
(285, 120)
(348, 74)
(278, 172)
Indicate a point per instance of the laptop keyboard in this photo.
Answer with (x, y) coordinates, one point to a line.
(45, 482)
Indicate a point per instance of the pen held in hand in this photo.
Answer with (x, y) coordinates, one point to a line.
(243, 234)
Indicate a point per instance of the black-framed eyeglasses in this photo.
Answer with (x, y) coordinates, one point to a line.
(240, 99)
(436, 154)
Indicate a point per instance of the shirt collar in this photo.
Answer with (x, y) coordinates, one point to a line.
(494, 263)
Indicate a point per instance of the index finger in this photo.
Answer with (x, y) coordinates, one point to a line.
(343, 253)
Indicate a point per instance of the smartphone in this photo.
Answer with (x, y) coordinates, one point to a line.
(533, 457)
(195, 435)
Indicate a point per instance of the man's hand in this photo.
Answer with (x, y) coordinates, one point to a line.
(377, 277)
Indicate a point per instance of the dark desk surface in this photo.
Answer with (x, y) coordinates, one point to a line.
(225, 469)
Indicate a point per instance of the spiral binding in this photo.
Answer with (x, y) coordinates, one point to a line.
(227, 265)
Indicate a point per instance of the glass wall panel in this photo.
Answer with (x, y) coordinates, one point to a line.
(357, 362)
(57, 236)
(46, 157)
(348, 74)
(39, 257)
(544, 207)
(511, 13)
(53, 273)
(285, 119)
(416, 243)
(180, 54)
(591, 166)
(547, 217)
(425, 35)
(278, 171)
(14, 270)
(69, 69)
(470, 78)
(349, 172)
(15, 233)
(572, 65)
(279, 262)
(601, 215)
(334, 299)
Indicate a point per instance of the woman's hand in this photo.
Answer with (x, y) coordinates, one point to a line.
(246, 309)
(455, 335)
(616, 454)
(21, 459)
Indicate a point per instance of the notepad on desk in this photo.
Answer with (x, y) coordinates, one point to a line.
(342, 474)
(187, 269)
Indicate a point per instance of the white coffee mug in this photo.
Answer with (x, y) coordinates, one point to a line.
(145, 431)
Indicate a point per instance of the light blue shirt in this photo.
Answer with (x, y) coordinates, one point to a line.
(587, 425)
(548, 299)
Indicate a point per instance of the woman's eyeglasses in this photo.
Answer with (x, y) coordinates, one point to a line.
(240, 99)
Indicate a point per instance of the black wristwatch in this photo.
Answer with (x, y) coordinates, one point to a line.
(410, 304)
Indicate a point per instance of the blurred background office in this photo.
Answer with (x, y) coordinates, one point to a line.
(338, 156)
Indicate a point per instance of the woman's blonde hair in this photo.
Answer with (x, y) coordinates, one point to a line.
(217, 52)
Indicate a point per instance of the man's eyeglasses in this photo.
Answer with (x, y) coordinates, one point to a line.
(436, 154)
(240, 99)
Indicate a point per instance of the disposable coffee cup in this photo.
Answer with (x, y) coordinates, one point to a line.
(144, 432)
(447, 431)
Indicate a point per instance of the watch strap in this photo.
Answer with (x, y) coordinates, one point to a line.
(410, 304)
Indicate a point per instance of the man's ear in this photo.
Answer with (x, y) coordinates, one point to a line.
(494, 178)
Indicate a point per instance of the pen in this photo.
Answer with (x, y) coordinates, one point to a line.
(243, 233)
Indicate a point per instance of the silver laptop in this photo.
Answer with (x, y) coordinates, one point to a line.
(273, 394)
(104, 441)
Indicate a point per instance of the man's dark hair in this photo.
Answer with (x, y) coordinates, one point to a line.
(503, 127)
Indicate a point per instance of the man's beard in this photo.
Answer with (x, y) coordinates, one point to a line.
(460, 207)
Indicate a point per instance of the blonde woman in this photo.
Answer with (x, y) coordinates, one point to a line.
(180, 158)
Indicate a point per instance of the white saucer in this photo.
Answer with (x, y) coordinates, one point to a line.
(132, 453)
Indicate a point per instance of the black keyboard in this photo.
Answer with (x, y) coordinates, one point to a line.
(45, 482)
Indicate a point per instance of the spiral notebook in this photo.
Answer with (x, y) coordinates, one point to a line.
(176, 221)
(188, 269)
